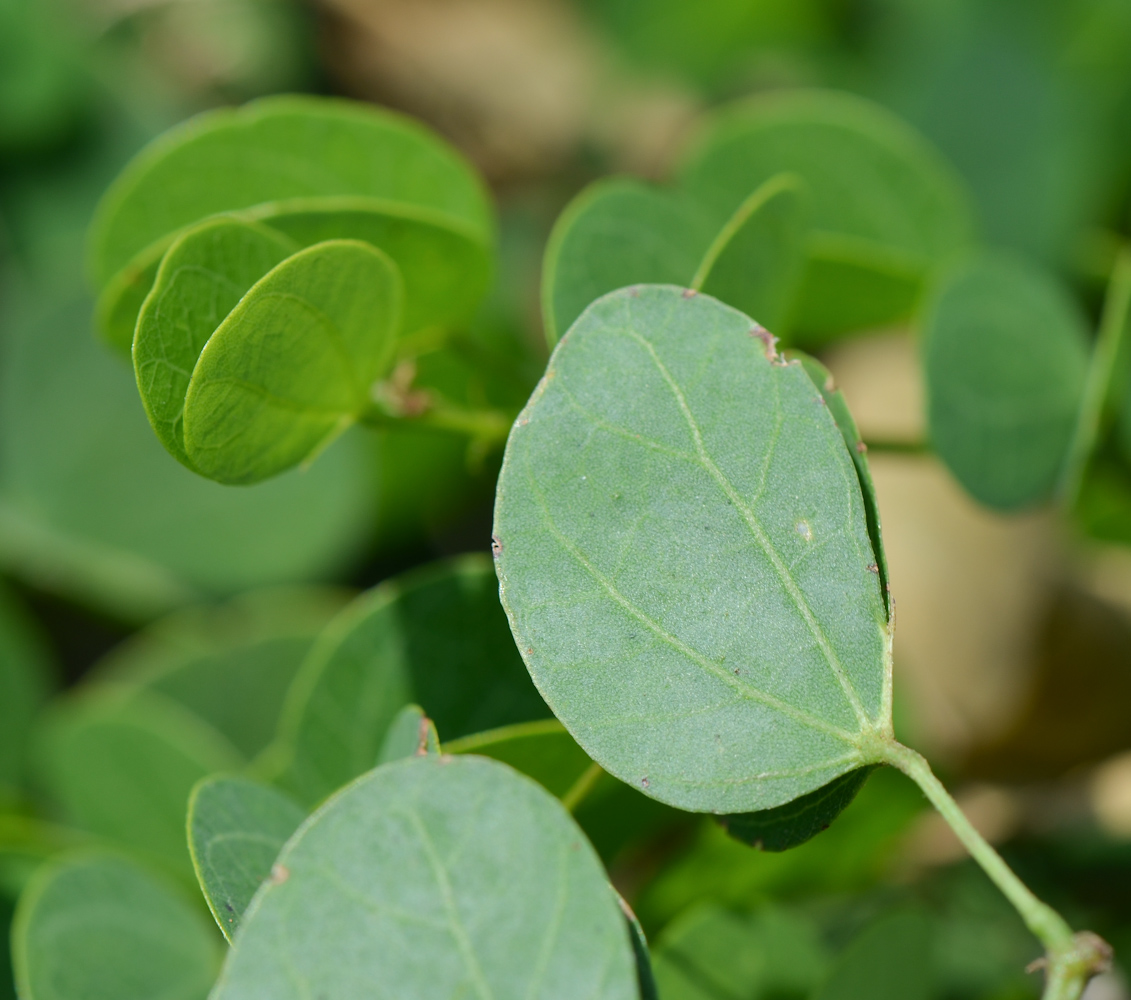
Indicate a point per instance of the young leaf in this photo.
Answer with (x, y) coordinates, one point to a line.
(683, 553)
(885, 208)
(436, 636)
(1005, 356)
(25, 680)
(96, 925)
(890, 960)
(292, 366)
(236, 829)
(124, 768)
(410, 734)
(444, 876)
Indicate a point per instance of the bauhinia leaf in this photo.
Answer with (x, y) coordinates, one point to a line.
(446, 877)
(684, 555)
(1005, 355)
(293, 365)
(97, 925)
(410, 734)
(236, 828)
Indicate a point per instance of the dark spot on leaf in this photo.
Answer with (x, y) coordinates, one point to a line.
(496, 546)
(769, 342)
(529, 650)
(644, 782)
(873, 568)
(231, 909)
(279, 874)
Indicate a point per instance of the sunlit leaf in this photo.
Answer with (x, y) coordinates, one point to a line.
(445, 876)
(684, 556)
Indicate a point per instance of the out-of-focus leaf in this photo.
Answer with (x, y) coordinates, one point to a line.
(95, 925)
(123, 768)
(1005, 356)
(886, 209)
(25, 680)
(890, 960)
(236, 828)
(91, 505)
(675, 505)
(436, 636)
(231, 665)
(447, 877)
(410, 734)
(709, 953)
(645, 979)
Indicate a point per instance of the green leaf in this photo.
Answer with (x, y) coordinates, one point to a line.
(1005, 357)
(890, 960)
(755, 263)
(885, 208)
(795, 822)
(542, 750)
(292, 366)
(684, 556)
(710, 953)
(445, 876)
(97, 925)
(323, 168)
(25, 680)
(124, 768)
(410, 734)
(645, 980)
(236, 828)
(436, 636)
(231, 665)
(25, 844)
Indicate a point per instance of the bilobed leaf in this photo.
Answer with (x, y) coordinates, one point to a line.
(889, 960)
(885, 208)
(25, 680)
(123, 768)
(444, 876)
(1005, 356)
(683, 552)
(755, 262)
(97, 925)
(236, 828)
(795, 822)
(292, 366)
(542, 750)
(410, 734)
(436, 636)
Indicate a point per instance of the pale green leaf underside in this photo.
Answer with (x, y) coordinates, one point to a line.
(94, 925)
(236, 828)
(293, 364)
(683, 553)
(435, 877)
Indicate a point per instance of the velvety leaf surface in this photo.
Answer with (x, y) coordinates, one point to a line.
(1005, 356)
(202, 277)
(436, 636)
(890, 960)
(542, 750)
(684, 556)
(615, 233)
(94, 926)
(124, 769)
(410, 734)
(236, 828)
(293, 364)
(25, 680)
(444, 876)
(795, 822)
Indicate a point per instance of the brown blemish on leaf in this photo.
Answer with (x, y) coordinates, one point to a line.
(644, 782)
(873, 568)
(496, 546)
(769, 343)
(422, 737)
(689, 293)
(861, 447)
(279, 874)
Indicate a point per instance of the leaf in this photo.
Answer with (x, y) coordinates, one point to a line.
(445, 876)
(755, 262)
(95, 925)
(306, 159)
(436, 636)
(1005, 356)
(230, 665)
(124, 769)
(795, 822)
(709, 953)
(236, 828)
(886, 209)
(541, 750)
(292, 366)
(683, 553)
(890, 960)
(645, 981)
(25, 680)
(410, 734)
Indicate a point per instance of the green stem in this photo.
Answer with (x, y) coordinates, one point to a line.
(488, 426)
(1070, 959)
(1117, 304)
(897, 446)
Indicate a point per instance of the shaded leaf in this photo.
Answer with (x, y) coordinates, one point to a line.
(645, 980)
(97, 925)
(445, 876)
(684, 556)
(236, 828)
(292, 366)
(410, 734)
(25, 680)
(890, 960)
(1005, 356)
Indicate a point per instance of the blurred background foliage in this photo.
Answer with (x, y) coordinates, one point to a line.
(1014, 644)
